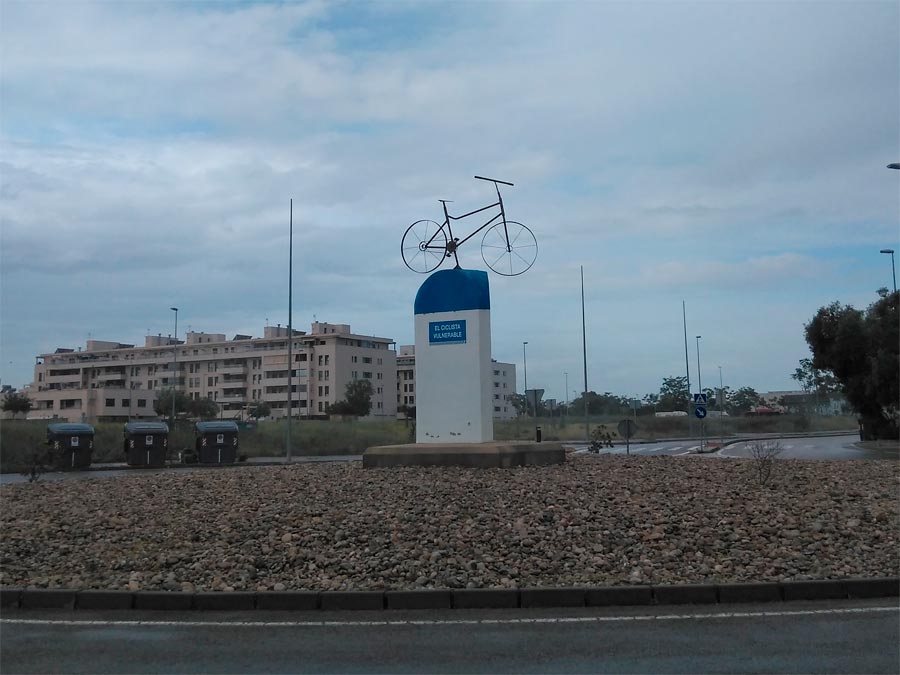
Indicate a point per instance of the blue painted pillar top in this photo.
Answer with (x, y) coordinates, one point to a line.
(452, 291)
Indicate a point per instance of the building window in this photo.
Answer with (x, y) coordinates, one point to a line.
(142, 403)
(209, 382)
(367, 359)
(367, 375)
(326, 390)
(412, 387)
(126, 403)
(496, 385)
(320, 406)
(110, 403)
(412, 400)
(378, 376)
(320, 390)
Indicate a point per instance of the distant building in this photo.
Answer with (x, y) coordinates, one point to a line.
(797, 402)
(110, 381)
(503, 383)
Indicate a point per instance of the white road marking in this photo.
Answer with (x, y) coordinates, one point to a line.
(449, 622)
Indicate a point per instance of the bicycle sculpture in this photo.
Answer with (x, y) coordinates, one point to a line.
(508, 248)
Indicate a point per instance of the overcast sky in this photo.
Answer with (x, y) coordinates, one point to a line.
(728, 154)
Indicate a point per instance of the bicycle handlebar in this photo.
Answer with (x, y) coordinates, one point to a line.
(494, 180)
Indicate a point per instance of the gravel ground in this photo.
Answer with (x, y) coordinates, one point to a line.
(597, 520)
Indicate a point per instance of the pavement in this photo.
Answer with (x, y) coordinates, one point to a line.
(845, 636)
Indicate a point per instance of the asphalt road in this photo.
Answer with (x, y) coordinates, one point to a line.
(808, 447)
(824, 447)
(826, 637)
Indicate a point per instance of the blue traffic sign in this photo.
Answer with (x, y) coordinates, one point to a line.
(700, 398)
(700, 411)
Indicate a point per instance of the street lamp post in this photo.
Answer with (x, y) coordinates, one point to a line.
(567, 393)
(699, 388)
(721, 409)
(525, 371)
(174, 367)
(893, 269)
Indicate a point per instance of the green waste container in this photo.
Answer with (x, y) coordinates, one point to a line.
(71, 445)
(146, 443)
(217, 442)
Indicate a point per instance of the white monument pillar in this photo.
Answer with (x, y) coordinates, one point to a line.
(453, 358)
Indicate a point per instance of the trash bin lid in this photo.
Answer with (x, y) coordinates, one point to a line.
(70, 429)
(146, 428)
(219, 426)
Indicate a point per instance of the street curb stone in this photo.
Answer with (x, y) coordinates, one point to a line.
(486, 598)
(104, 600)
(480, 598)
(873, 588)
(426, 599)
(749, 592)
(685, 594)
(162, 600)
(288, 600)
(820, 589)
(352, 600)
(227, 602)
(10, 597)
(552, 597)
(44, 598)
(618, 595)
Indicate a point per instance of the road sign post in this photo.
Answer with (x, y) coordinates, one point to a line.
(626, 429)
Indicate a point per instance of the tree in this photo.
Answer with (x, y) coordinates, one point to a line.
(742, 400)
(357, 399)
(163, 403)
(17, 402)
(518, 402)
(204, 408)
(818, 384)
(674, 394)
(260, 409)
(861, 349)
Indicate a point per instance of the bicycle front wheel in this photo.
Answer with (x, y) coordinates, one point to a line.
(509, 248)
(424, 246)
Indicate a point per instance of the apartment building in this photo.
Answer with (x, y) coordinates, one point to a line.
(116, 381)
(504, 382)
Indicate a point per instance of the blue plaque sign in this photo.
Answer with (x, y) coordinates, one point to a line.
(447, 332)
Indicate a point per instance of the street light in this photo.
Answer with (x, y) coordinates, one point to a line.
(893, 270)
(699, 383)
(174, 367)
(699, 389)
(895, 165)
(525, 371)
(567, 392)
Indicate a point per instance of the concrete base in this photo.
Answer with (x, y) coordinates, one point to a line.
(493, 454)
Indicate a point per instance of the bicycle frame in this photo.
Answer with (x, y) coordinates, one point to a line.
(453, 243)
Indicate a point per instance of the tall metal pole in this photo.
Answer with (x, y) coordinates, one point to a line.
(687, 367)
(174, 368)
(687, 370)
(587, 424)
(525, 369)
(721, 409)
(567, 393)
(893, 270)
(290, 401)
(700, 389)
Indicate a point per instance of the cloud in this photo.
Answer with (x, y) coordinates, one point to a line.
(150, 150)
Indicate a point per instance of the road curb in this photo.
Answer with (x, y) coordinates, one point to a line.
(486, 598)
(749, 592)
(552, 597)
(823, 589)
(685, 594)
(427, 599)
(288, 600)
(339, 600)
(478, 598)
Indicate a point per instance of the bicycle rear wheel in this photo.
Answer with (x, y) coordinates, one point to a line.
(424, 246)
(509, 251)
